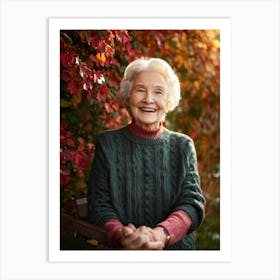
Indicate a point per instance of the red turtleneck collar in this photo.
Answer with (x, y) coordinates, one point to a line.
(135, 129)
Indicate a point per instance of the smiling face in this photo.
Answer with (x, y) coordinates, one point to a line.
(148, 99)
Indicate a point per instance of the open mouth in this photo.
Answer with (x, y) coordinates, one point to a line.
(147, 110)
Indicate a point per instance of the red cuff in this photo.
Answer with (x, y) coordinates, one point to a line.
(177, 225)
(113, 229)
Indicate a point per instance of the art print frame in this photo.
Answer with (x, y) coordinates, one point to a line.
(221, 255)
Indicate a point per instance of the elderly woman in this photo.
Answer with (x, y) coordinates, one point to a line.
(144, 189)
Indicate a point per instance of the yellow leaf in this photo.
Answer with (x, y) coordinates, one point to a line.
(101, 58)
(196, 85)
(216, 44)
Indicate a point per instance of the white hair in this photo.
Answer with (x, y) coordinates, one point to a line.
(152, 64)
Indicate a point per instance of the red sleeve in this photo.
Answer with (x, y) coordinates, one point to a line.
(113, 228)
(177, 225)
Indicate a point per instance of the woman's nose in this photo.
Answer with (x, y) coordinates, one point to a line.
(149, 97)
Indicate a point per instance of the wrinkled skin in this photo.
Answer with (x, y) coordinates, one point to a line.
(142, 238)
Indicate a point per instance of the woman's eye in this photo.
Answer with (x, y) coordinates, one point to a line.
(140, 90)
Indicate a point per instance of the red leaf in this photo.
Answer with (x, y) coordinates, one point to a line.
(81, 141)
(90, 94)
(66, 59)
(102, 94)
(73, 87)
(64, 171)
(123, 36)
(64, 176)
(64, 180)
(95, 42)
(109, 51)
(116, 62)
(70, 142)
(105, 90)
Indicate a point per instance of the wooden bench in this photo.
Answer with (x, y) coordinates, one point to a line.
(77, 233)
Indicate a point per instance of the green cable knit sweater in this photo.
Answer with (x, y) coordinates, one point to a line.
(142, 180)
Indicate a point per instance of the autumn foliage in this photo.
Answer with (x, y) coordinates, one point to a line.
(92, 64)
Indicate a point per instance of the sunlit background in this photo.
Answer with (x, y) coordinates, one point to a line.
(92, 65)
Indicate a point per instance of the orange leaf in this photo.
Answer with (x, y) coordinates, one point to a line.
(76, 99)
(101, 58)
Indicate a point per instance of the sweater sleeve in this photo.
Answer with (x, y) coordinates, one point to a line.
(100, 208)
(191, 199)
(177, 225)
(113, 229)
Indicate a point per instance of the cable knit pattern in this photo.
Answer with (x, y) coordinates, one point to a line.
(143, 180)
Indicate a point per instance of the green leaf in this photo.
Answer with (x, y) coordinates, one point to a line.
(64, 103)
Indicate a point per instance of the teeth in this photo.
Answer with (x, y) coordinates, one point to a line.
(148, 109)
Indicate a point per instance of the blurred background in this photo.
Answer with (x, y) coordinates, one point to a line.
(92, 63)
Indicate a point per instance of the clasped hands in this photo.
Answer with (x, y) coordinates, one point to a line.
(142, 238)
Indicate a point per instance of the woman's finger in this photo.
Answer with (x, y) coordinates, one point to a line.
(153, 245)
(126, 231)
(132, 226)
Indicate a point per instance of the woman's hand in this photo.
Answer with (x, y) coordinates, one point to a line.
(142, 238)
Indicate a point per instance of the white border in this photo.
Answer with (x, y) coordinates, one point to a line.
(57, 24)
(24, 139)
